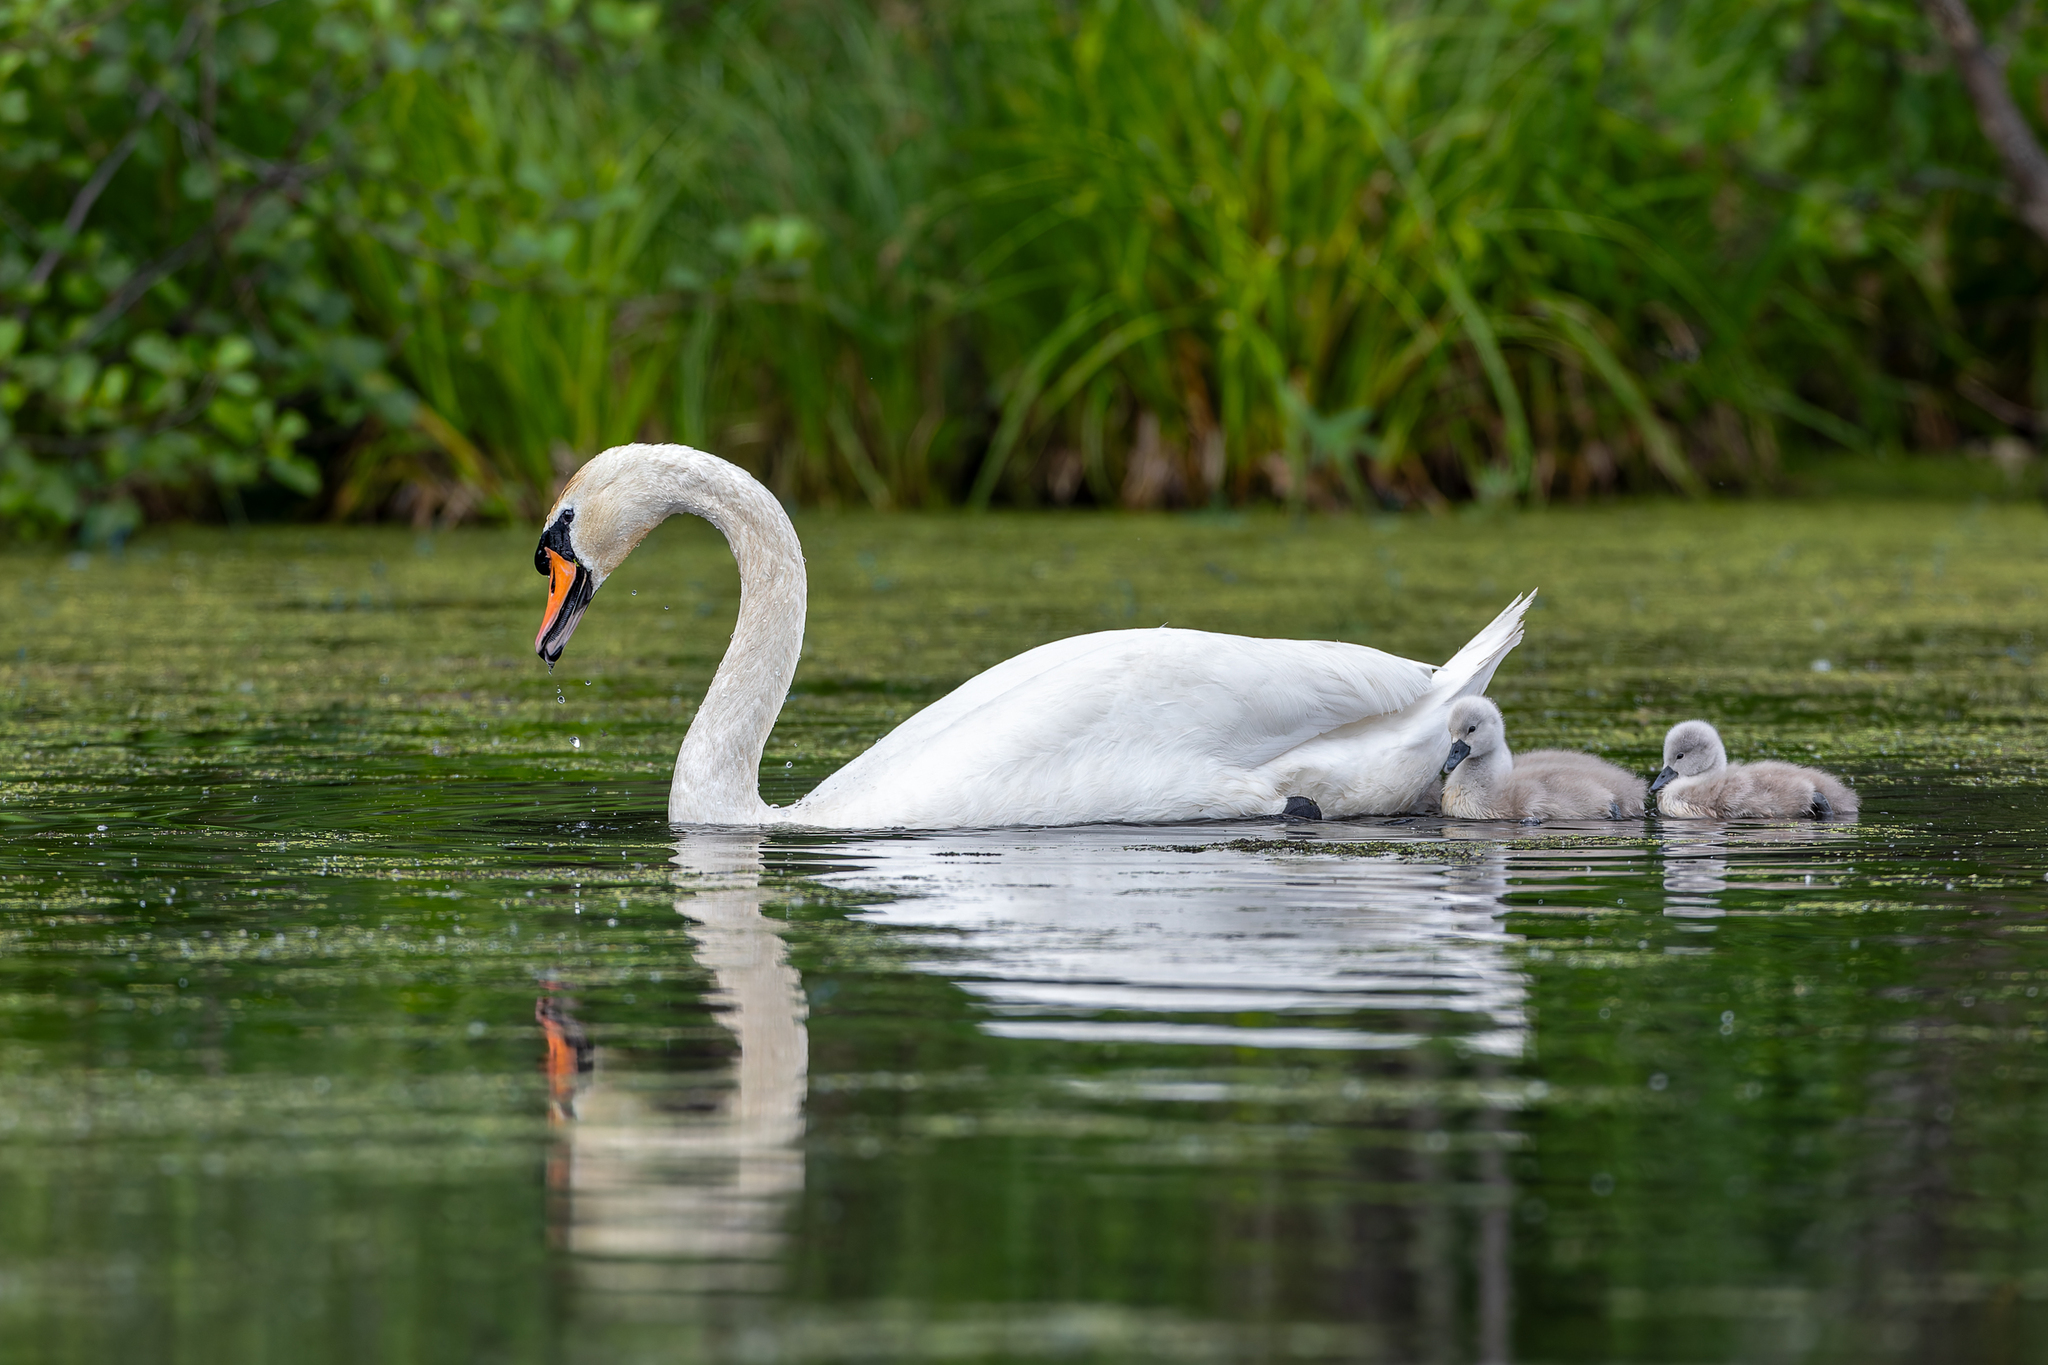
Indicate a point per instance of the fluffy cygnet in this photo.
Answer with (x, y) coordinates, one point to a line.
(1487, 782)
(1699, 783)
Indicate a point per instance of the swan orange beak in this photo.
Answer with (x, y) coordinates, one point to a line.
(569, 590)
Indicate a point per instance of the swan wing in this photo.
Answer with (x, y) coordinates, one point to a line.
(1137, 725)
(1387, 764)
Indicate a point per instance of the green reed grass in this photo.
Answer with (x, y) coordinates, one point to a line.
(1155, 252)
(523, 296)
(705, 246)
(1489, 247)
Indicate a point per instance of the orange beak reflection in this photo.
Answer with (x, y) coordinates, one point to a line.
(570, 586)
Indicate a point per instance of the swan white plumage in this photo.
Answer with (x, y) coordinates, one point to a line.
(1133, 726)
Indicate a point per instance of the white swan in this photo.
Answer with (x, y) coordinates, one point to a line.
(1136, 726)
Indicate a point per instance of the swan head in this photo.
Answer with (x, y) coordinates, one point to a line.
(605, 510)
(1475, 727)
(1691, 748)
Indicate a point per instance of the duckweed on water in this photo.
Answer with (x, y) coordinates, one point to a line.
(1859, 634)
(345, 999)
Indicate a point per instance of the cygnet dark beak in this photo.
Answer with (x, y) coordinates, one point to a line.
(1460, 751)
(1663, 780)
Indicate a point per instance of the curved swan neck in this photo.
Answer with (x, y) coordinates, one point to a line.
(717, 778)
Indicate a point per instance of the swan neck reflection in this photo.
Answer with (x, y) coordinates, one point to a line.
(692, 1170)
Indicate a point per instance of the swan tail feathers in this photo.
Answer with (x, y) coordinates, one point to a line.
(1471, 668)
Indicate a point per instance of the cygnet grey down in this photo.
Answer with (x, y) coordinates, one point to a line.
(1488, 782)
(1699, 783)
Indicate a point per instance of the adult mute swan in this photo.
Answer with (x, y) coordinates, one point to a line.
(1134, 726)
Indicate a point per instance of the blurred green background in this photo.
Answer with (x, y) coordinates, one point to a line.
(382, 259)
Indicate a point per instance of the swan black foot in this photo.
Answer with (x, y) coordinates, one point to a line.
(1822, 808)
(1301, 808)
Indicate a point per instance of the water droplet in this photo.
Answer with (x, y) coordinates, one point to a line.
(575, 741)
(102, 826)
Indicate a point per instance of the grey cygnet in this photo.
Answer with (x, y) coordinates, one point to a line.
(1699, 783)
(1488, 782)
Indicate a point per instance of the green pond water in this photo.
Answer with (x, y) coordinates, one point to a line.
(357, 1004)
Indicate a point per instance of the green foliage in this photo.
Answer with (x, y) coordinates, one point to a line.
(423, 259)
(164, 289)
(1493, 247)
(694, 244)
(174, 178)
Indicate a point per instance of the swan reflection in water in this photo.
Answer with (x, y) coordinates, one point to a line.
(1203, 937)
(1199, 937)
(668, 1184)
(1697, 861)
(1169, 935)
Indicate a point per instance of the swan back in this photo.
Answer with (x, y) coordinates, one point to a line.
(1138, 726)
(1147, 726)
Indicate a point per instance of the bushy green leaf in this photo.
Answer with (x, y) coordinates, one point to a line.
(1140, 250)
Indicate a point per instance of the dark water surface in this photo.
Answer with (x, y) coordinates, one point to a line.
(356, 1004)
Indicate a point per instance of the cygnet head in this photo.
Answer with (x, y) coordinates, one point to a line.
(1691, 748)
(1476, 728)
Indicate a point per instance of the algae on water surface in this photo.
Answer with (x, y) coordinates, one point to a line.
(1875, 636)
(318, 893)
